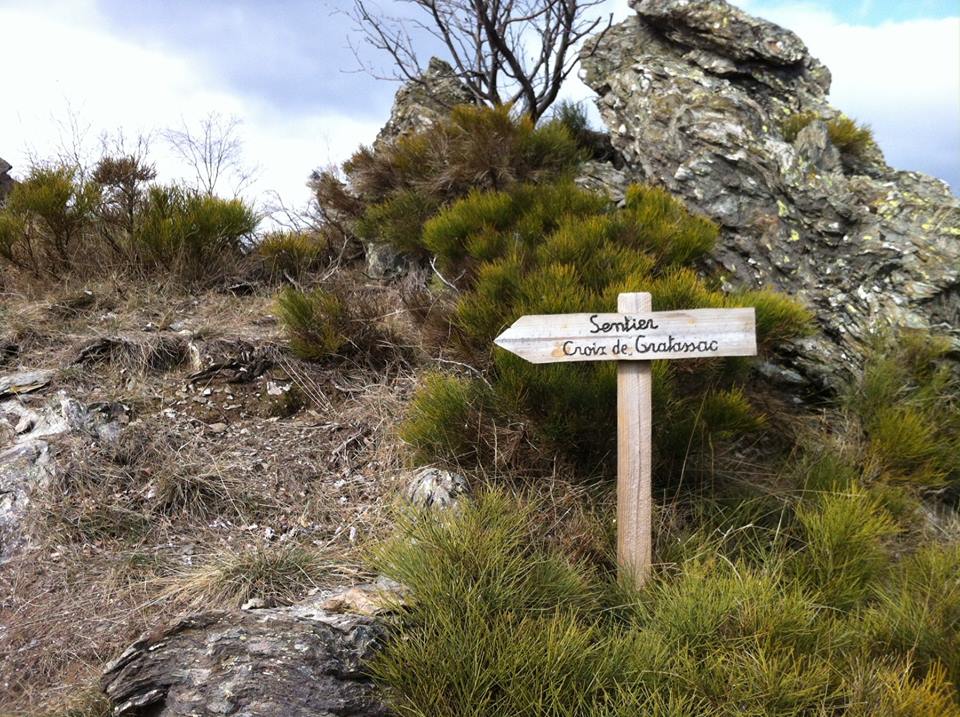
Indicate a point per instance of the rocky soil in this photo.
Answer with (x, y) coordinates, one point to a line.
(146, 436)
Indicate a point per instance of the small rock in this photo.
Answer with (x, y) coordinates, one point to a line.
(218, 427)
(435, 487)
(23, 382)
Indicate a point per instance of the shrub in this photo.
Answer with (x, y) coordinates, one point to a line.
(445, 417)
(312, 321)
(555, 248)
(844, 551)
(290, 255)
(191, 234)
(918, 611)
(907, 403)
(476, 148)
(336, 321)
(497, 622)
(122, 180)
(573, 116)
(45, 218)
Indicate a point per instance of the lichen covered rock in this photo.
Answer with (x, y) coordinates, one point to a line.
(422, 102)
(696, 94)
(298, 661)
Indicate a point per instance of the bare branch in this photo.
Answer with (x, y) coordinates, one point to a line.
(522, 50)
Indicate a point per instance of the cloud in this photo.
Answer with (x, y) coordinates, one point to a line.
(70, 61)
(902, 78)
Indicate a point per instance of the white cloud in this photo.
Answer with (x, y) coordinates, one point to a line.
(902, 78)
(67, 62)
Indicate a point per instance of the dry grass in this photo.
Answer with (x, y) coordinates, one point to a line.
(132, 534)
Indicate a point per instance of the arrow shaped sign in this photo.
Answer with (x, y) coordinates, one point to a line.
(633, 337)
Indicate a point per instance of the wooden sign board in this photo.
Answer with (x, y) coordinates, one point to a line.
(634, 337)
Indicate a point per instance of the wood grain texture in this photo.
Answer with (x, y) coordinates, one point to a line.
(634, 454)
(632, 335)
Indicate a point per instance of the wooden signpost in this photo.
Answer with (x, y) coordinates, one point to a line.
(635, 336)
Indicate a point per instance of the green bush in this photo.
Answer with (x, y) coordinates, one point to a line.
(844, 552)
(497, 622)
(45, 222)
(555, 248)
(290, 254)
(405, 181)
(907, 403)
(190, 234)
(338, 321)
(313, 322)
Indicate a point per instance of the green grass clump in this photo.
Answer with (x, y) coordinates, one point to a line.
(556, 248)
(313, 322)
(290, 255)
(907, 404)
(845, 551)
(498, 622)
(850, 137)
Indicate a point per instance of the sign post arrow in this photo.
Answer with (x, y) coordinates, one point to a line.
(633, 337)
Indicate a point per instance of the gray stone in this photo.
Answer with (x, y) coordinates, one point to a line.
(23, 382)
(26, 454)
(422, 102)
(6, 181)
(814, 146)
(695, 93)
(296, 661)
(435, 488)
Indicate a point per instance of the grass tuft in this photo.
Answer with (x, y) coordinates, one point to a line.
(275, 574)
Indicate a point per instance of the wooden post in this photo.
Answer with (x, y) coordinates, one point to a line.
(634, 454)
(633, 337)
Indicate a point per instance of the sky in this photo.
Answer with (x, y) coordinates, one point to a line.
(76, 69)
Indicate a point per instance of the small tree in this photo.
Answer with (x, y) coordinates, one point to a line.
(504, 51)
(122, 176)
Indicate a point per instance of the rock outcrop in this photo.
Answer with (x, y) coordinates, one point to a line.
(420, 103)
(696, 93)
(6, 181)
(300, 661)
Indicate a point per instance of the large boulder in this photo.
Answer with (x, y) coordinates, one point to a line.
(306, 660)
(6, 181)
(696, 94)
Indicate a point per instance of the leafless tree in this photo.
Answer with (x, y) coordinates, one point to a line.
(517, 51)
(213, 150)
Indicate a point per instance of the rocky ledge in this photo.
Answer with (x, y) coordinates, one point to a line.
(696, 94)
